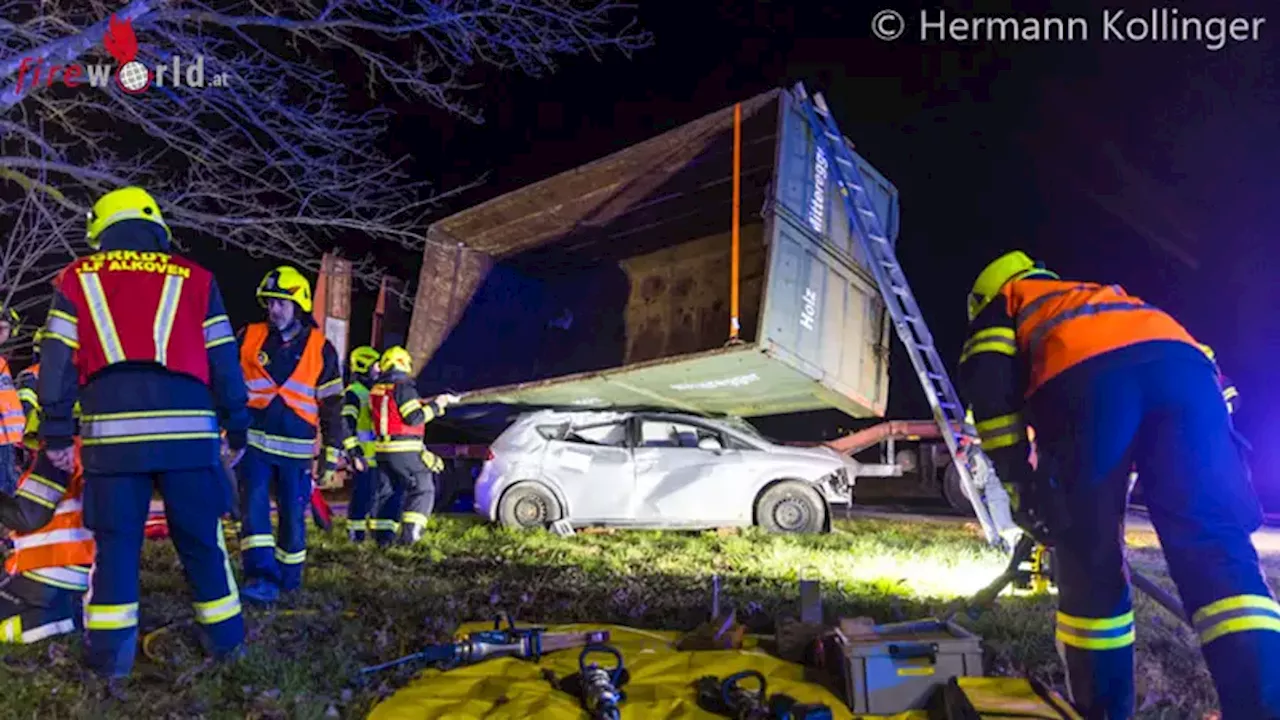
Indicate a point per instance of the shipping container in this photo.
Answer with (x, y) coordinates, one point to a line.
(612, 284)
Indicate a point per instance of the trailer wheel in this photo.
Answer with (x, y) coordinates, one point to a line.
(791, 507)
(953, 494)
(527, 506)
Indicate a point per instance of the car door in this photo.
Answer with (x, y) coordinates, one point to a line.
(592, 466)
(678, 482)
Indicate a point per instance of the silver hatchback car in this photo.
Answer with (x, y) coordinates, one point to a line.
(656, 470)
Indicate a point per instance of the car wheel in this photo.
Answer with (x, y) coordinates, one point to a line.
(527, 506)
(791, 507)
(953, 493)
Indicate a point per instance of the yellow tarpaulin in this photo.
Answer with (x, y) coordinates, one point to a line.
(661, 683)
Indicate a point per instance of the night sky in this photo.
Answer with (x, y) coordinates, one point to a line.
(1145, 164)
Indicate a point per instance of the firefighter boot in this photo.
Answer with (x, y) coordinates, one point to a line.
(260, 591)
(410, 533)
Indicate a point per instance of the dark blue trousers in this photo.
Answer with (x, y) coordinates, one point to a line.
(277, 558)
(362, 492)
(9, 469)
(116, 509)
(1158, 406)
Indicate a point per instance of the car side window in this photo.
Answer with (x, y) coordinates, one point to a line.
(606, 435)
(664, 433)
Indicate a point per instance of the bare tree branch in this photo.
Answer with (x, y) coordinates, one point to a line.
(267, 156)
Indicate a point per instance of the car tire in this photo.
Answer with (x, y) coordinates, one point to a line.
(791, 507)
(528, 506)
(953, 494)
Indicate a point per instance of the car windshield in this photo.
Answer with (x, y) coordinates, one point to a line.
(745, 428)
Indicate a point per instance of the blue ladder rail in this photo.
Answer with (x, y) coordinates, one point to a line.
(867, 227)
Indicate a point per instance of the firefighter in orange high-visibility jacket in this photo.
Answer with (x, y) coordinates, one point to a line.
(1108, 380)
(295, 389)
(140, 336)
(46, 575)
(12, 419)
(405, 466)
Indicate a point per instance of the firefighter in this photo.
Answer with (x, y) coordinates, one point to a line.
(1109, 380)
(141, 337)
(295, 389)
(404, 463)
(26, 383)
(12, 419)
(46, 575)
(355, 413)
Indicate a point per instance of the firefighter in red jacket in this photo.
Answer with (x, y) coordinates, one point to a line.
(295, 389)
(12, 419)
(1107, 379)
(141, 337)
(46, 575)
(405, 466)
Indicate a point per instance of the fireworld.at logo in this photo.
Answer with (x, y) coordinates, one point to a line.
(129, 74)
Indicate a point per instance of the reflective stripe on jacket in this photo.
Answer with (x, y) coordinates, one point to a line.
(1060, 324)
(363, 419)
(28, 382)
(61, 552)
(133, 306)
(12, 419)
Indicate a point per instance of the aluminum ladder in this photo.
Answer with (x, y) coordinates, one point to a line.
(912, 330)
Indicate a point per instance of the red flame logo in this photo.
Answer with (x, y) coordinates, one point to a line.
(120, 41)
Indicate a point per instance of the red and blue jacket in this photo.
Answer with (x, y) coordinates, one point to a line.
(141, 338)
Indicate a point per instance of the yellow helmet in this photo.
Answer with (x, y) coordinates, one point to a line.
(1208, 352)
(1006, 268)
(286, 283)
(396, 358)
(129, 203)
(363, 358)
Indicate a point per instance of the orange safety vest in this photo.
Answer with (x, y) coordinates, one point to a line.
(1061, 324)
(60, 552)
(299, 391)
(12, 420)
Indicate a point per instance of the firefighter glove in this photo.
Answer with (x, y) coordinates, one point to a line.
(356, 456)
(1037, 505)
(328, 467)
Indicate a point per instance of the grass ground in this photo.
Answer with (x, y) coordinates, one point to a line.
(362, 606)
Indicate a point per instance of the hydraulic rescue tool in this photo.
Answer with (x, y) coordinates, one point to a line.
(601, 688)
(525, 643)
(736, 699)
